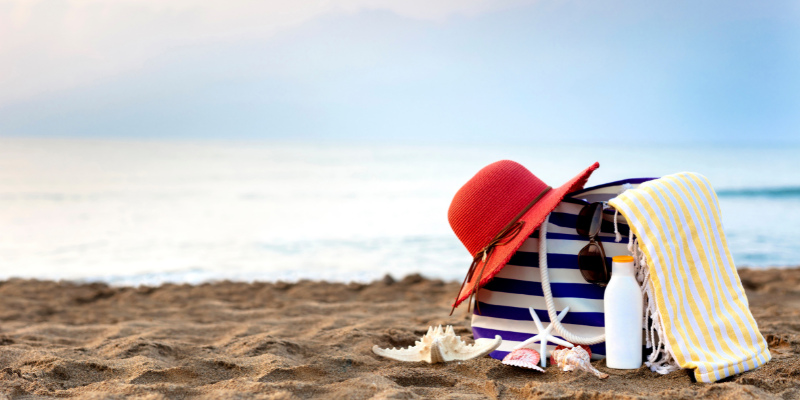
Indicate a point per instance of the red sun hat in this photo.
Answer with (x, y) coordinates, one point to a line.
(496, 210)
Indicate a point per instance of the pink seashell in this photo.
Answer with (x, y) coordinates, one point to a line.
(525, 358)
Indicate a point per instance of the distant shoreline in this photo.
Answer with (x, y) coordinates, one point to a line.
(746, 270)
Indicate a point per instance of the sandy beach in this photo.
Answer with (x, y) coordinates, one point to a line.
(313, 340)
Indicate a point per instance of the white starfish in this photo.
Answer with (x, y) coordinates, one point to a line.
(544, 335)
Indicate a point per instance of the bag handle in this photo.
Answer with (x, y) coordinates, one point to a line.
(548, 294)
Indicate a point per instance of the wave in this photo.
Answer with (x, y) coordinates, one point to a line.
(777, 192)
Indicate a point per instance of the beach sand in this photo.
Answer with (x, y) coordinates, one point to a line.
(314, 340)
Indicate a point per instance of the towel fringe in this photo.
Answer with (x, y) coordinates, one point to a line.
(661, 360)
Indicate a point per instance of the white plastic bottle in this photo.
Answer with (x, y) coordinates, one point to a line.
(623, 316)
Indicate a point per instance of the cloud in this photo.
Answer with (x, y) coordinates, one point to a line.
(51, 45)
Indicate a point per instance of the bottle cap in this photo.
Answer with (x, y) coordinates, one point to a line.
(622, 265)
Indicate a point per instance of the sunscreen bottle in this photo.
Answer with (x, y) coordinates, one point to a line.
(623, 316)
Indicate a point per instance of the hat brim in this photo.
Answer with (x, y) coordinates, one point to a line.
(533, 218)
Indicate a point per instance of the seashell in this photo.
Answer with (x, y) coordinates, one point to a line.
(570, 359)
(585, 347)
(441, 345)
(525, 358)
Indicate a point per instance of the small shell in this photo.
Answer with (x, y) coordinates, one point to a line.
(525, 358)
(585, 347)
(576, 358)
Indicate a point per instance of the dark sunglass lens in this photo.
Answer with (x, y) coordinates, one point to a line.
(596, 219)
(584, 220)
(589, 219)
(592, 267)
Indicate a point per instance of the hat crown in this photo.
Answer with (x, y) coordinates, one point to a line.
(489, 201)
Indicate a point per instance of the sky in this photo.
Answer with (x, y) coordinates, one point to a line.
(406, 71)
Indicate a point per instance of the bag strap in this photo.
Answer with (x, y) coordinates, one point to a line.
(548, 294)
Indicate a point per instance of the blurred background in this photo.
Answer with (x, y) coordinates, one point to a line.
(146, 141)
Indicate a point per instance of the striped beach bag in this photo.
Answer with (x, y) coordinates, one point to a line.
(504, 301)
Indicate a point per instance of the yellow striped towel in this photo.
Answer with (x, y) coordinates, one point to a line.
(690, 277)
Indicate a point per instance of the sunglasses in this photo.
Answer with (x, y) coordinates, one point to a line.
(592, 258)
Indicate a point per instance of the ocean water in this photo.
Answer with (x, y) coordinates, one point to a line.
(148, 212)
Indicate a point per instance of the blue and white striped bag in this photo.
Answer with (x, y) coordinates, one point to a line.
(504, 301)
